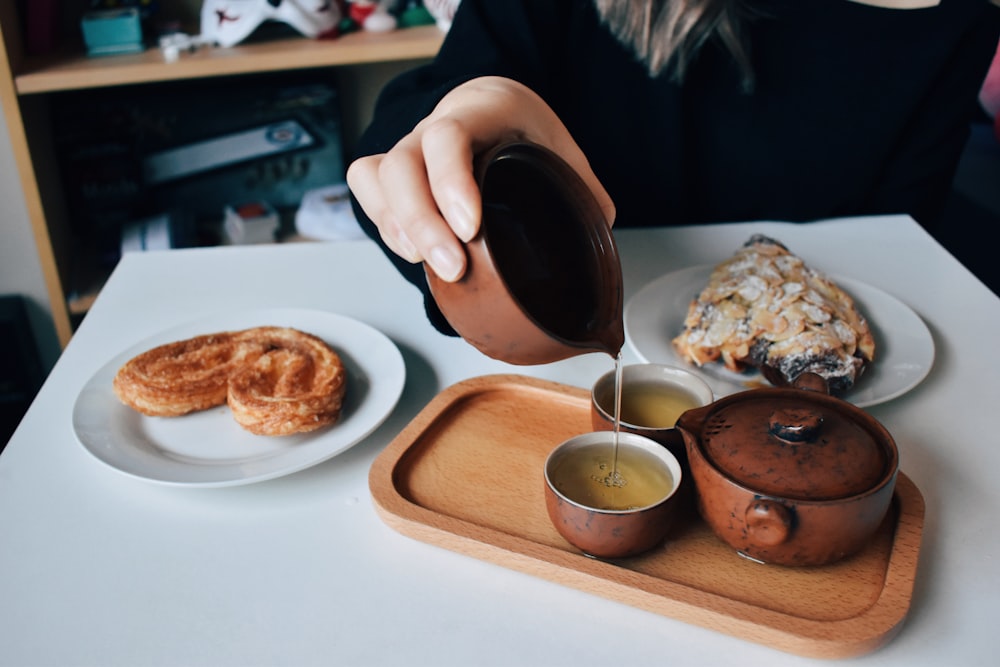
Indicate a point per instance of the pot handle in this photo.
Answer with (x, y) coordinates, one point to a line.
(768, 523)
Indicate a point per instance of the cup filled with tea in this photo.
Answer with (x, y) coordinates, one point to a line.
(612, 495)
(652, 398)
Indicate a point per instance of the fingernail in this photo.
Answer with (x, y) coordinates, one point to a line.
(445, 263)
(461, 221)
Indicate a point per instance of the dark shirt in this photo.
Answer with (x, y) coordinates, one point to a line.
(856, 109)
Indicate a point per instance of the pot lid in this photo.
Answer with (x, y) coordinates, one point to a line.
(794, 443)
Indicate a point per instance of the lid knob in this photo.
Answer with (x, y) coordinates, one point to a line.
(795, 424)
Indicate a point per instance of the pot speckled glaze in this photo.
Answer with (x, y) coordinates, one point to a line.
(790, 476)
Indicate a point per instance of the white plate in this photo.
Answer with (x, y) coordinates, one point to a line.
(904, 346)
(209, 448)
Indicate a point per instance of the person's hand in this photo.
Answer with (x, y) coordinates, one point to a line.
(422, 194)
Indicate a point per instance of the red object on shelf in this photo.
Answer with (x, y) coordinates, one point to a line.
(359, 11)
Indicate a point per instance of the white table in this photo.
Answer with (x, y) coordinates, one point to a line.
(98, 568)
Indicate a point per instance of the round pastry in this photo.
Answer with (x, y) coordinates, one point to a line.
(297, 385)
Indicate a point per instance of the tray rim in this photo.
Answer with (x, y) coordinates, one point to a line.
(849, 637)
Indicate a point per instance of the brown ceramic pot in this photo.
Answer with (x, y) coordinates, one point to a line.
(791, 476)
(543, 280)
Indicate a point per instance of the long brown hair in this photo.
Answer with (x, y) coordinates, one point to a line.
(667, 34)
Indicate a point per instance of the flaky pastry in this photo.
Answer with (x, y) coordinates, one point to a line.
(765, 308)
(296, 386)
(277, 381)
(184, 376)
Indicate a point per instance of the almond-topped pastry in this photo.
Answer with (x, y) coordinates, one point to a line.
(276, 380)
(765, 308)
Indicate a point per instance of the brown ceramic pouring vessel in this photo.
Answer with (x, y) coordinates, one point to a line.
(791, 476)
(543, 280)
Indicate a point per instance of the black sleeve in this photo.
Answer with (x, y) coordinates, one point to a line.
(918, 178)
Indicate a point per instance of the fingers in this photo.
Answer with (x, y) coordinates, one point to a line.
(362, 178)
(422, 195)
(394, 191)
(448, 154)
(414, 211)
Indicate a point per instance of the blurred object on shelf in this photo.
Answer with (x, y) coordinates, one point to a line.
(443, 11)
(412, 13)
(190, 148)
(112, 32)
(229, 22)
(326, 215)
(173, 43)
(158, 232)
(147, 9)
(195, 147)
(177, 162)
(371, 16)
(253, 222)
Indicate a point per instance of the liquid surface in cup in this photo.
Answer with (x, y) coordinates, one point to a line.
(642, 479)
(649, 404)
(653, 405)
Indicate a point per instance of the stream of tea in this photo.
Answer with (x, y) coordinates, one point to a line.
(616, 475)
(615, 480)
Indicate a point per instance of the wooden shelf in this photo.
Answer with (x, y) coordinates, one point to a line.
(28, 85)
(78, 71)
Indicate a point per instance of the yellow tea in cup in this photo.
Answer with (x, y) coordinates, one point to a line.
(655, 404)
(584, 478)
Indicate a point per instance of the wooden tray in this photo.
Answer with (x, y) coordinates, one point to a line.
(466, 475)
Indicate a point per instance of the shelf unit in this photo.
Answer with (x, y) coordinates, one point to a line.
(362, 59)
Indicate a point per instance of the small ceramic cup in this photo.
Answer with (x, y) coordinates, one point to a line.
(654, 396)
(611, 502)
